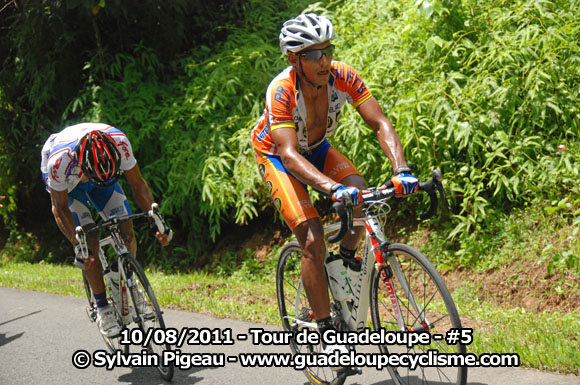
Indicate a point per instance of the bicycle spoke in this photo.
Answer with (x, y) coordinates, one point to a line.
(145, 310)
(293, 303)
(421, 296)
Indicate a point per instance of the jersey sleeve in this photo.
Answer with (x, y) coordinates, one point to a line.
(128, 160)
(349, 81)
(280, 104)
(58, 166)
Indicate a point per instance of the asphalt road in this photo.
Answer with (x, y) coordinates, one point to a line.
(39, 333)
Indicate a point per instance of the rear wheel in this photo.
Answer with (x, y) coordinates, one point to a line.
(295, 308)
(144, 309)
(409, 294)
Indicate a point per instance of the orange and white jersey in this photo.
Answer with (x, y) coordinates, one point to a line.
(285, 106)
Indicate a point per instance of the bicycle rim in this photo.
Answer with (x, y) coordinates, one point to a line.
(145, 310)
(113, 344)
(293, 304)
(427, 298)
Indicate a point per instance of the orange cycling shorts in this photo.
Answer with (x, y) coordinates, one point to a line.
(289, 194)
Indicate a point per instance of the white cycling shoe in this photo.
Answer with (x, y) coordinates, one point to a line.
(330, 349)
(107, 322)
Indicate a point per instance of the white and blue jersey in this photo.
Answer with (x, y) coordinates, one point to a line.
(61, 172)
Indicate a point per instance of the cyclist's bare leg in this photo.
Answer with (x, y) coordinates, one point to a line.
(310, 235)
(93, 269)
(129, 237)
(349, 241)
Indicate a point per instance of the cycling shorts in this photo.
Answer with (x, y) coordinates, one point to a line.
(289, 194)
(109, 202)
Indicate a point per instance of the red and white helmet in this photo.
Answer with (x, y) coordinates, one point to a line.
(99, 157)
(304, 31)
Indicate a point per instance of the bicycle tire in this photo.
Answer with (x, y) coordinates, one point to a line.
(292, 302)
(113, 343)
(433, 299)
(146, 316)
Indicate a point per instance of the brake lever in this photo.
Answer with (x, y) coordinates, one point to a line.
(155, 213)
(442, 195)
(437, 177)
(349, 215)
(82, 240)
(344, 211)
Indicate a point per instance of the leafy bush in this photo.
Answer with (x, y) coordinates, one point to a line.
(486, 90)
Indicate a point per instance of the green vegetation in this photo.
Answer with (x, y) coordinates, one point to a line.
(485, 90)
(242, 287)
(547, 340)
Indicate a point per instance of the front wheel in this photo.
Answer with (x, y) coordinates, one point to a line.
(409, 294)
(144, 310)
(113, 343)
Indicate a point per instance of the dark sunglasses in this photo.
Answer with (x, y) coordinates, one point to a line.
(316, 54)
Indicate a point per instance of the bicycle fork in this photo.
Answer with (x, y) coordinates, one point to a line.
(385, 267)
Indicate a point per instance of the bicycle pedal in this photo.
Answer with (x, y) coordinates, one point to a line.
(350, 371)
(148, 317)
(91, 313)
(342, 374)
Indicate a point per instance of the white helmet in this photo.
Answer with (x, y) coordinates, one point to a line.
(304, 31)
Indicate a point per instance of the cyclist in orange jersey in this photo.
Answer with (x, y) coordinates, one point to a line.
(303, 106)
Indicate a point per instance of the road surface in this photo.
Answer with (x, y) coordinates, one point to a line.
(39, 333)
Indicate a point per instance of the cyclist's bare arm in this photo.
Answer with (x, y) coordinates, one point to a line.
(63, 215)
(67, 226)
(390, 143)
(143, 196)
(287, 143)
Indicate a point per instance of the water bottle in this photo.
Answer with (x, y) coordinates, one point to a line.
(115, 275)
(337, 278)
(112, 278)
(109, 281)
(354, 281)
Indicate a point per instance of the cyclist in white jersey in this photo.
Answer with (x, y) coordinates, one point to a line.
(80, 164)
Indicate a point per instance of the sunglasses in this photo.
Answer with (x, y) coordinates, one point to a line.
(316, 54)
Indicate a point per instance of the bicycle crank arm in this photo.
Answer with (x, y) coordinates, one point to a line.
(298, 323)
(91, 313)
(344, 373)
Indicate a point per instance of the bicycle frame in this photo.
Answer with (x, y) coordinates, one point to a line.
(355, 314)
(116, 241)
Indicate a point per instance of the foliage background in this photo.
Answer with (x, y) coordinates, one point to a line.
(486, 90)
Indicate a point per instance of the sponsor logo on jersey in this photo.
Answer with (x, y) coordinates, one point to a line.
(53, 172)
(264, 133)
(116, 210)
(125, 148)
(333, 96)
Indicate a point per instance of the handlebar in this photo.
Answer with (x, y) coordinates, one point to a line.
(344, 208)
(154, 214)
